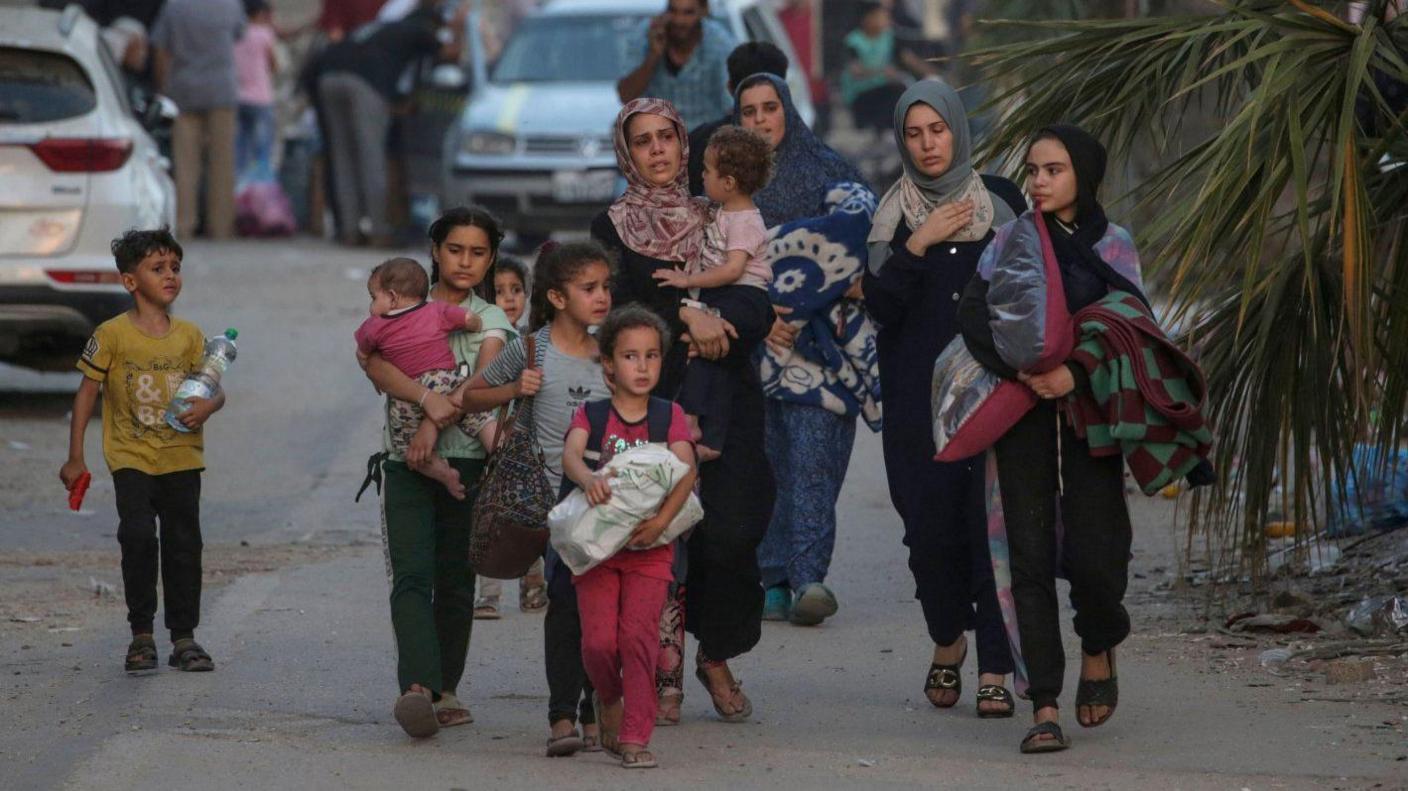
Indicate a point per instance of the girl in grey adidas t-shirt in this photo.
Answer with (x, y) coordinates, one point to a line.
(571, 293)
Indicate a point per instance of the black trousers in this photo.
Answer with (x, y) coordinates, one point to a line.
(946, 531)
(173, 501)
(569, 689)
(1093, 552)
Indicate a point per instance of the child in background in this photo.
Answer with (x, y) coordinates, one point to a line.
(137, 360)
(737, 163)
(571, 294)
(255, 65)
(621, 599)
(511, 287)
(413, 335)
(511, 295)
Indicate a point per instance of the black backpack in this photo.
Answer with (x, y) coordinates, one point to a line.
(657, 421)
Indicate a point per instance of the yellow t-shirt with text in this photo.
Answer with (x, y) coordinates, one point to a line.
(139, 374)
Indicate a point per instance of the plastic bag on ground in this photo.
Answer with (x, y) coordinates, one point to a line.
(584, 535)
(1379, 616)
(262, 209)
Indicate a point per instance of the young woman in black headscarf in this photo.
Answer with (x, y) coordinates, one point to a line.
(1043, 464)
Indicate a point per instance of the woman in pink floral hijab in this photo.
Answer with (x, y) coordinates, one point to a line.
(656, 225)
(656, 216)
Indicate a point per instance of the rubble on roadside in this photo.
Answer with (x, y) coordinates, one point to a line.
(1330, 621)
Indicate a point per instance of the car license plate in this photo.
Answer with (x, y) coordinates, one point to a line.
(38, 232)
(583, 186)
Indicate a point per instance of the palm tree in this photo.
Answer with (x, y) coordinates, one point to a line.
(1277, 232)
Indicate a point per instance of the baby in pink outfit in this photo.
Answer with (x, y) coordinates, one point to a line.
(737, 163)
(413, 334)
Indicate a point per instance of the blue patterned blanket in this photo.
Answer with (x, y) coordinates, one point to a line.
(814, 261)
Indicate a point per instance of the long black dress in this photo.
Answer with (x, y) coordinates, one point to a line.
(915, 300)
(724, 603)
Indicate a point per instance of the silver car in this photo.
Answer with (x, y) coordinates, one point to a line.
(78, 168)
(533, 145)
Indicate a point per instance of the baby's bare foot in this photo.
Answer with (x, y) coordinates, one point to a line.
(440, 470)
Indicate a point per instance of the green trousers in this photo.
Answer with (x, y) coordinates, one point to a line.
(432, 585)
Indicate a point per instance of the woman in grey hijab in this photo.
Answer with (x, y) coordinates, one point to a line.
(929, 232)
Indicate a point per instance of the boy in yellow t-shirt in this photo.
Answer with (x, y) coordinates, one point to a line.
(137, 360)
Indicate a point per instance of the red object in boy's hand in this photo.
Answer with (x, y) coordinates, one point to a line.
(80, 488)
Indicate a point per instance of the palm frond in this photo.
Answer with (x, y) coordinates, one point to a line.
(1271, 222)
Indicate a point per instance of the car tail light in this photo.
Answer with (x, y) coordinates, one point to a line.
(83, 154)
(83, 277)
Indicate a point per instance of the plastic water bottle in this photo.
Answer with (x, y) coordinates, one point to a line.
(204, 382)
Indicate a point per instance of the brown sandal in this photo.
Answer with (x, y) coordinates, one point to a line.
(187, 655)
(532, 596)
(668, 711)
(415, 713)
(735, 692)
(450, 712)
(141, 654)
(638, 759)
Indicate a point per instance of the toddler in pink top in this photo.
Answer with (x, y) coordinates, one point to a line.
(255, 64)
(413, 334)
(737, 163)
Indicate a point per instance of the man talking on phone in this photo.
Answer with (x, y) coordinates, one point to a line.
(683, 57)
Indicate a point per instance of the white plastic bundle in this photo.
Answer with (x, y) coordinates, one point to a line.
(585, 535)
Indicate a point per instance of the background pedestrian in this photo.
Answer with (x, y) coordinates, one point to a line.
(195, 67)
(747, 59)
(357, 85)
(682, 56)
(256, 63)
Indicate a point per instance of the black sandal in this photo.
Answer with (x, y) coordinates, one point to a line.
(946, 677)
(997, 694)
(141, 654)
(1033, 743)
(190, 657)
(1102, 692)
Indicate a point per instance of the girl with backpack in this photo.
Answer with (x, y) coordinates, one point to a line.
(621, 598)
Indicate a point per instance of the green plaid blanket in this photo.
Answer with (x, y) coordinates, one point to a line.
(1146, 395)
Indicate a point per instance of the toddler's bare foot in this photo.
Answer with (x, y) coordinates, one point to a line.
(440, 470)
(706, 453)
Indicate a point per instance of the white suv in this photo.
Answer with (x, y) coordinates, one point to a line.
(77, 168)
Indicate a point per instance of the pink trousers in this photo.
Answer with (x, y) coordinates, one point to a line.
(620, 613)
